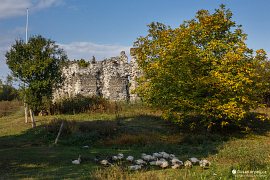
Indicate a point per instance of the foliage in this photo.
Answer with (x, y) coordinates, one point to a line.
(7, 92)
(81, 104)
(37, 65)
(82, 63)
(9, 107)
(201, 69)
(75, 132)
(265, 74)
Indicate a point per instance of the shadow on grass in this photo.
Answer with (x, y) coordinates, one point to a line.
(32, 153)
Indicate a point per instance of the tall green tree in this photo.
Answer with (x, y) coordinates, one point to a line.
(37, 65)
(202, 68)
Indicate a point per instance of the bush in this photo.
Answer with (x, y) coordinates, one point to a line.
(82, 104)
(252, 121)
(82, 63)
(114, 172)
(202, 69)
(69, 127)
(8, 93)
(9, 107)
(75, 132)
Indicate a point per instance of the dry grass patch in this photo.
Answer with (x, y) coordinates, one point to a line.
(131, 139)
(143, 139)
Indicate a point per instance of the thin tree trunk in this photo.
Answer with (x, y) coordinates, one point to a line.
(26, 112)
(59, 132)
(32, 118)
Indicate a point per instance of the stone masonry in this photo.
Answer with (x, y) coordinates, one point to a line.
(113, 79)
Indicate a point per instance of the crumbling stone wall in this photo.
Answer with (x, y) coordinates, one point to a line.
(112, 78)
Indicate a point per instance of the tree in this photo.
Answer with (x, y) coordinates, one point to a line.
(7, 91)
(37, 65)
(201, 69)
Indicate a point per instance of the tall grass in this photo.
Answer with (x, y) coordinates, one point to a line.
(82, 104)
(78, 132)
(9, 107)
(27, 153)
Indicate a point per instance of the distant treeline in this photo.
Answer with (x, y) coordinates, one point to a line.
(8, 92)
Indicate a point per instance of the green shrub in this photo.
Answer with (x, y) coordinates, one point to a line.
(8, 93)
(9, 107)
(82, 63)
(69, 127)
(82, 104)
(203, 68)
(75, 132)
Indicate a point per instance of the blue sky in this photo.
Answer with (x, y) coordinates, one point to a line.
(105, 27)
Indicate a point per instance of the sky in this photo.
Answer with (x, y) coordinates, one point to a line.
(103, 28)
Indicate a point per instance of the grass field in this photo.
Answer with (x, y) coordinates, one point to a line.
(27, 153)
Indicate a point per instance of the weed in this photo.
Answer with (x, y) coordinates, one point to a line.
(81, 104)
(9, 107)
(114, 172)
(131, 140)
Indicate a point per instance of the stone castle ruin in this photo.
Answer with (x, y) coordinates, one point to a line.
(113, 79)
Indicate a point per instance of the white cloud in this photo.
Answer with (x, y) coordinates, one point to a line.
(12, 8)
(74, 50)
(85, 50)
(47, 3)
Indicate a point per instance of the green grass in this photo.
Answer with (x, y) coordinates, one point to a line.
(27, 153)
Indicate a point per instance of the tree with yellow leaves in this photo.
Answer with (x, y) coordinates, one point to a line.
(201, 70)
